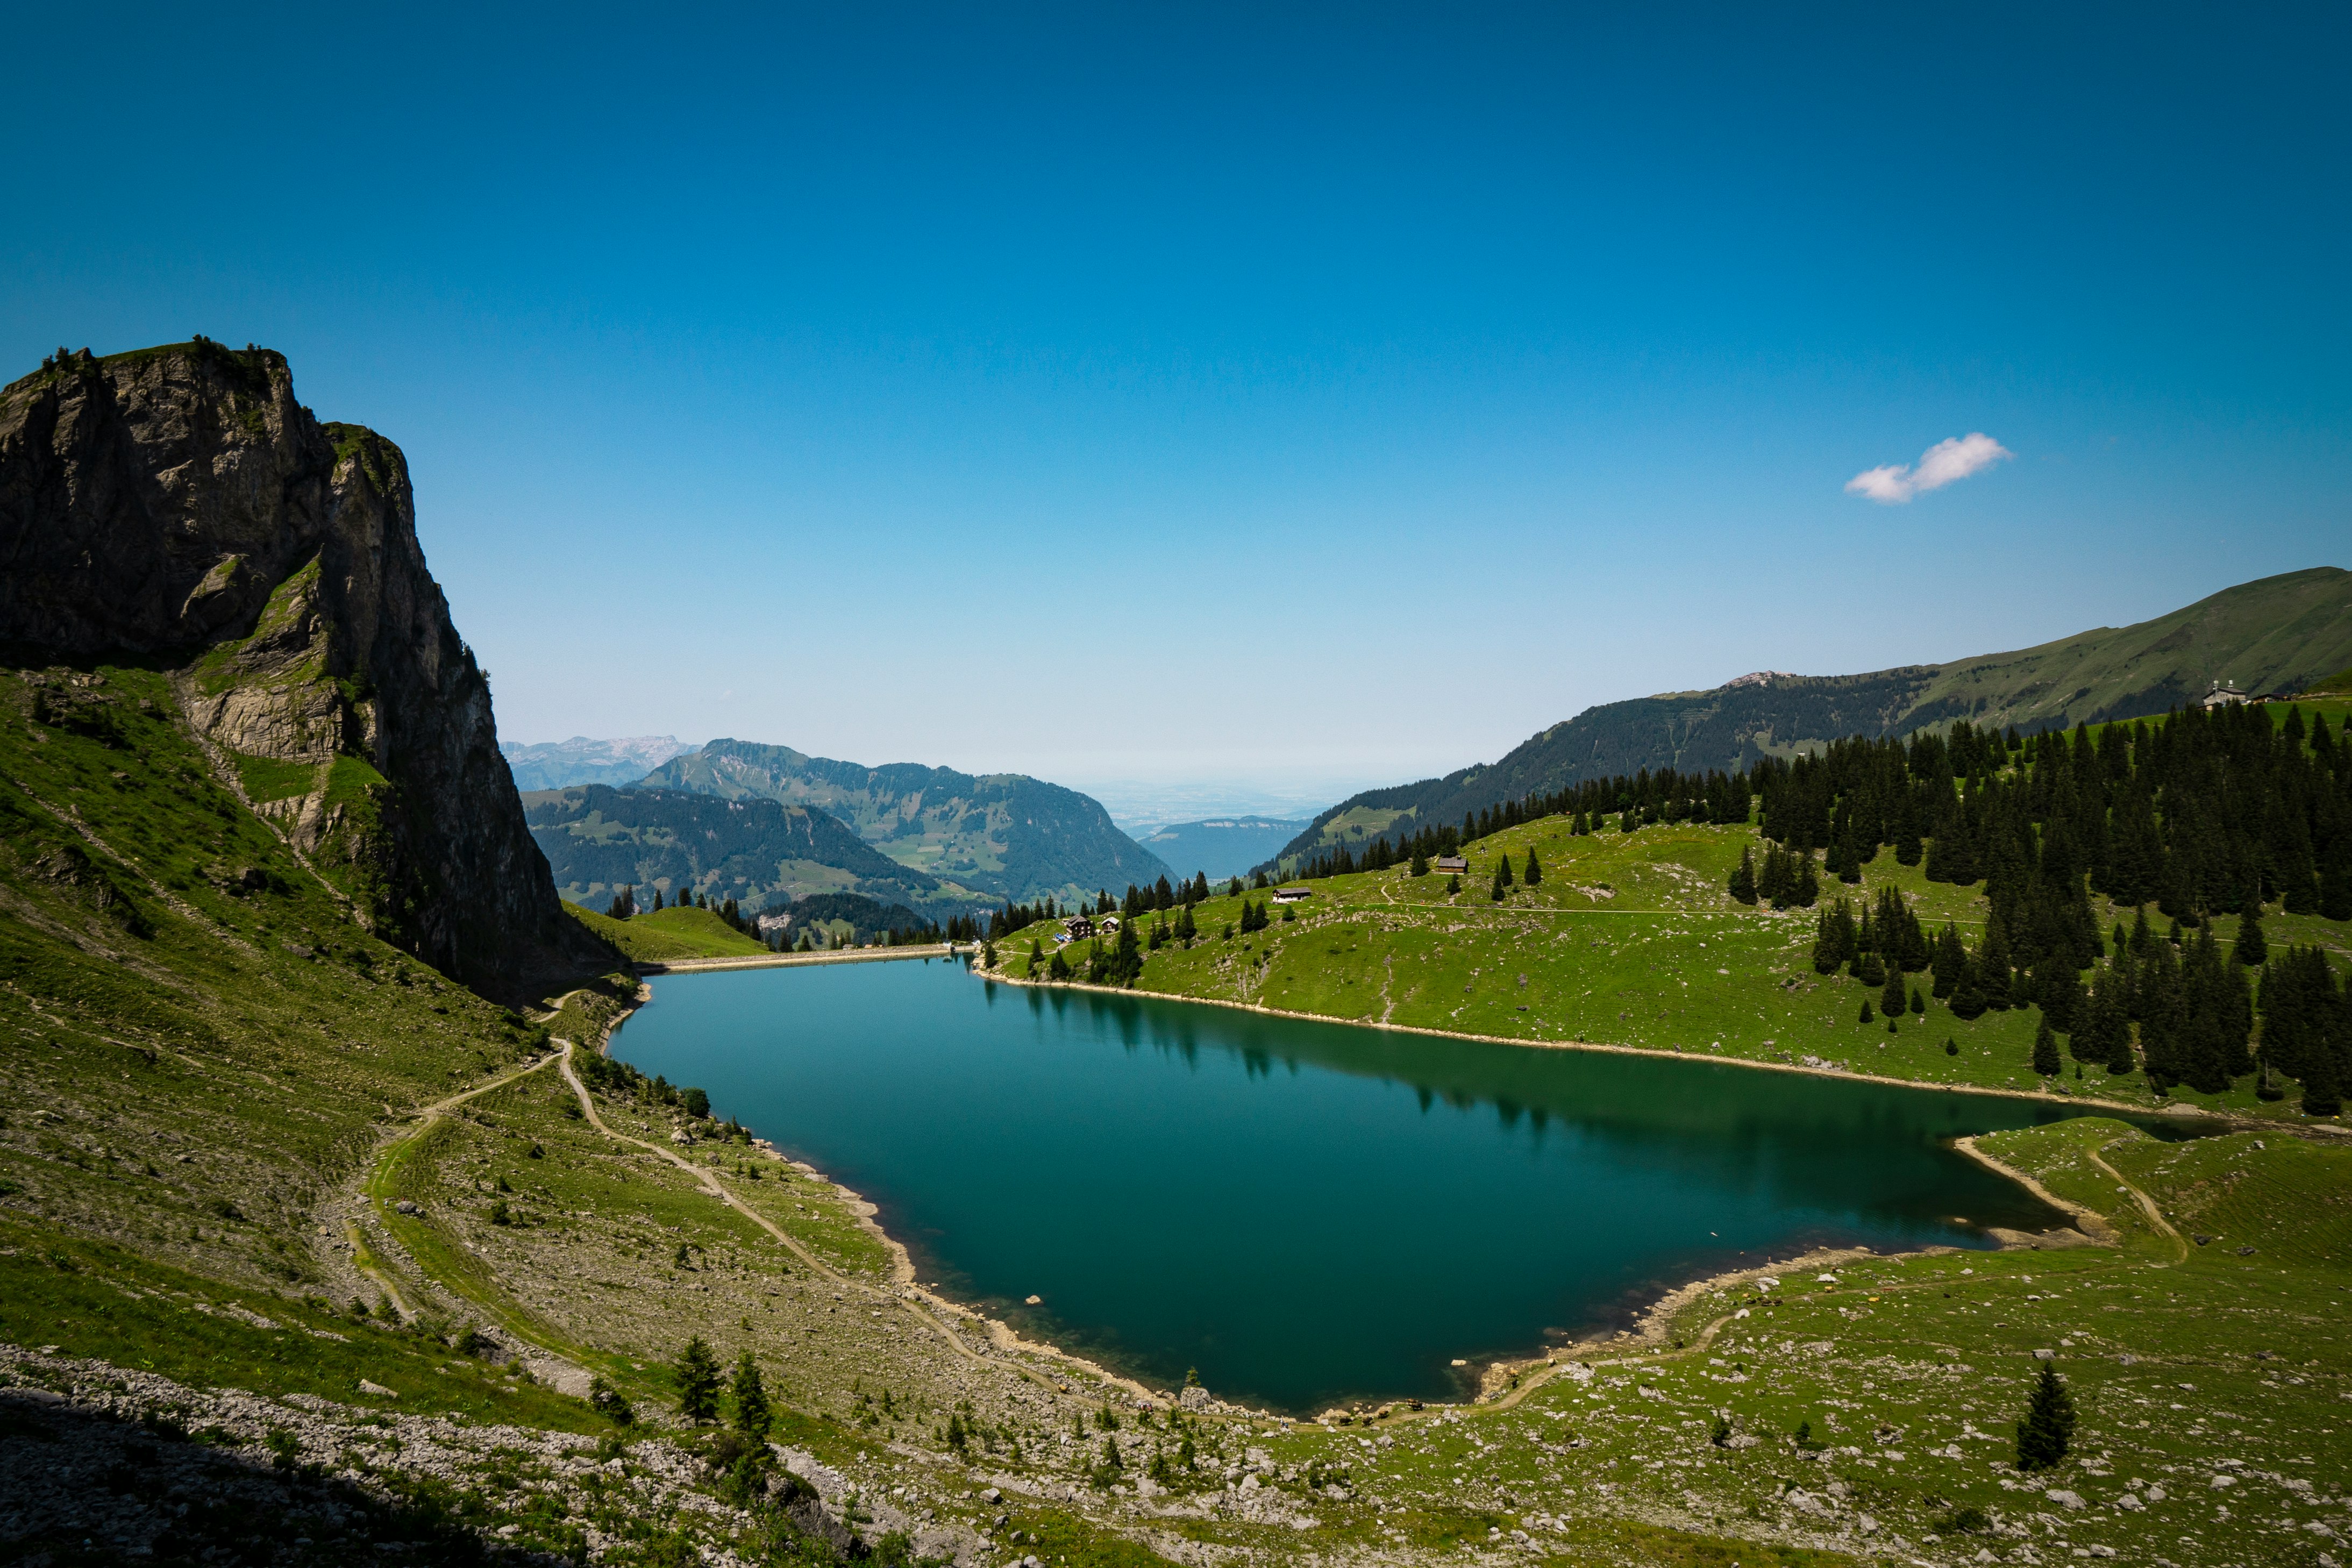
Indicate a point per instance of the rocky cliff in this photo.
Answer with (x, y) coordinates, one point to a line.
(177, 506)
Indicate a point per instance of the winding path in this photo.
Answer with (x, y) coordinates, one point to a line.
(711, 1186)
(361, 1258)
(2147, 1204)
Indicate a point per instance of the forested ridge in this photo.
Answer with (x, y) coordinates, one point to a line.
(2203, 813)
(2209, 812)
(2279, 633)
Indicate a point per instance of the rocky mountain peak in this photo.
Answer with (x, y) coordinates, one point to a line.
(178, 504)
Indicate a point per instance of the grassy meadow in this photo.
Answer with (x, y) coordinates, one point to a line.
(657, 936)
(218, 1090)
(1630, 940)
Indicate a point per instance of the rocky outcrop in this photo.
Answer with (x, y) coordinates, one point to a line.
(178, 504)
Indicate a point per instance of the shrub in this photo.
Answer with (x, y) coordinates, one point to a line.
(610, 1401)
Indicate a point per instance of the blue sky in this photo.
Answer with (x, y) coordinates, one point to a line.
(1298, 400)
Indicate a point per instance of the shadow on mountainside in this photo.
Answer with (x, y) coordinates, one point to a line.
(88, 1487)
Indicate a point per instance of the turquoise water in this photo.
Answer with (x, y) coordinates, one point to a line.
(1303, 1212)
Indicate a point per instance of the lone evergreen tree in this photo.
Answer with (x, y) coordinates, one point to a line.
(2254, 950)
(1535, 869)
(2045, 1050)
(2049, 1424)
(1743, 878)
(1867, 1016)
(752, 1416)
(1891, 1000)
(698, 1381)
(1502, 871)
(2322, 1091)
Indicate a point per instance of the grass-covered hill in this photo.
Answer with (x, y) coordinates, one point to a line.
(659, 936)
(2279, 633)
(1006, 835)
(1634, 938)
(754, 850)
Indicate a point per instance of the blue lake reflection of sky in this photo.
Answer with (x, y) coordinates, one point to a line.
(1303, 1212)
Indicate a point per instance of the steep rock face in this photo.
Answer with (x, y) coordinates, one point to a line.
(179, 505)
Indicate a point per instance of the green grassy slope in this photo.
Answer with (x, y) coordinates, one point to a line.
(657, 935)
(1630, 940)
(2282, 631)
(175, 984)
(1914, 1372)
(211, 1082)
(209, 1100)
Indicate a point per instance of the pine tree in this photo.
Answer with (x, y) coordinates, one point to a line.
(1993, 965)
(698, 1381)
(1420, 866)
(1968, 998)
(2045, 1050)
(1808, 885)
(1948, 962)
(1834, 939)
(1891, 999)
(2061, 993)
(1502, 871)
(1535, 870)
(2049, 1425)
(1743, 878)
(2252, 950)
(752, 1416)
(2322, 1088)
(2101, 1019)
(1849, 853)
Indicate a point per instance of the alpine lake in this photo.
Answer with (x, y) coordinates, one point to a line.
(1304, 1212)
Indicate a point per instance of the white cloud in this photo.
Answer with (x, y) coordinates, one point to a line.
(1940, 465)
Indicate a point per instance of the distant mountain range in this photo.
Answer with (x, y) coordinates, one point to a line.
(560, 765)
(757, 852)
(1220, 847)
(999, 836)
(940, 841)
(2278, 633)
